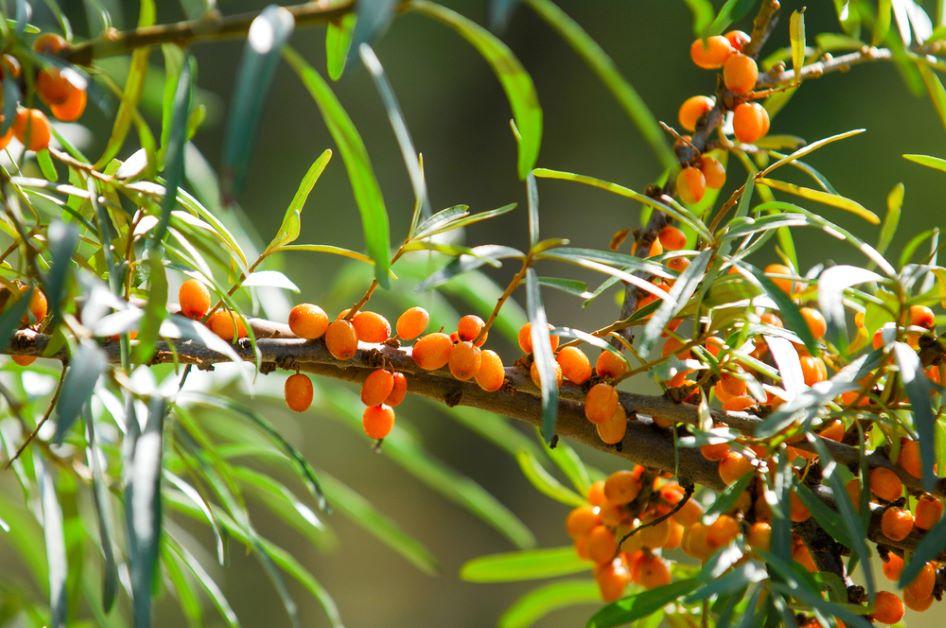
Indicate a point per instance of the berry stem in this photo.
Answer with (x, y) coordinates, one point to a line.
(510, 288)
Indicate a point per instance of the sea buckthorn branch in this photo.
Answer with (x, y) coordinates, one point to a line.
(841, 63)
(211, 26)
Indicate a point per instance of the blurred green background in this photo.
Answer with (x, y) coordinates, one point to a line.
(458, 117)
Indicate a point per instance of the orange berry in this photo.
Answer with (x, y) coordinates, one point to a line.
(613, 430)
(371, 326)
(49, 43)
(833, 431)
(694, 541)
(740, 73)
(888, 608)
(465, 360)
(922, 316)
(759, 536)
(722, 532)
(738, 39)
(739, 403)
(813, 369)
(734, 466)
(10, 65)
(691, 185)
(575, 365)
(678, 264)
(675, 536)
(652, 572)
(299, 392)
(622, 487)
(53, 87)
(398, 391)
(596, 493)
(922, 586)
(733, 385)
(432, 352)
(715, 345)
(673, 346)
(308, 321)
(893, 567)
(672, 239)
(581, 521)
(656, 248)
(713, 171)
(376, 387)
(556, 372)
(929, 510)
(612, 579)
(715, 452)
(802, 556)
(491, 375)
(817, 325)
(31, 127)
(610, 365)
(194, 299)
(885, 484)
(6, 137)
(37, 307)
(226, 324)
(798, 511)
(689, 514)
(655, 536)
(525, 339)
(853, 488)
(602, 546)
(915, 603)
(23, 360)
(750, 122)
(412, 323)
(581, 547)
(377, 421)
(692, 109)
(601, 402)
(469, 327)
(710, 54)
(72, 107)
(341, 340)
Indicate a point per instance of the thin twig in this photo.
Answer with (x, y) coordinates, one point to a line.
(39, 425)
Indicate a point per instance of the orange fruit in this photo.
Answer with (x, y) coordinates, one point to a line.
(308, 321)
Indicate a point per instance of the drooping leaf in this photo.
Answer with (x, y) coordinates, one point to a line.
(683, 288)
(270, 279)
(514, 79)
(478, 257)
(523, 565)
(930, 162)
(265, 40)
(541, 601)
(892, 219)
(55, 543)
(63, 239)
(545, 482)
(918, 390)
(373, 17)
(103, 516)
(834, 200)
(731, 11)
(374, 216)
(640, 605)
(831, 286)
(292, 219)
(338, 43)
(787, 310)
(86, 364)
(327, 248)
(570, 463)
(936, 90)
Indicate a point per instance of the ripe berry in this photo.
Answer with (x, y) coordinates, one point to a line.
(398, 391)
(610, 365)
(739, 403)
(469, 327)
(37, 307)
(299, 392)
(929, 510)
(377, 387)
(713, 171)
(802, 556)
(750, 122)
(652, 572)
(833, 431)
(798, 512)
(813, 369)
(194, 299)
(341, 339)
(689, 514)
(31, 127)
(740, 73)
(734, 466)
(715, 452)
(492, 374)
(817, 325)
(710, 54)
(655, 536)
(885, 484)
(596, 493)
(922, 316)
(371, 326)
(722, 532)
(23, 360)
(377, 421)
(691, 185)
(412, 323)
(612, 579)
(525, 339)
(49, 43)
(556, 373)
(6, 137)
(581, 521)
(72, 108)
(601, 402)
(53, 87)
(694, 541)
(896, 523)
(893, 566)
(915, 603)
(465, 360)
(225, 323)
(622, 487)
(922, 586)
(759, 536)
(601, 544)
(612, 431)
(432, 351)
(775, 272)
(738, 39)
(672, 239)
(575, 365)
(692, 109)
(678, 264)
(733, 385)
(888, 608)
(308, 321)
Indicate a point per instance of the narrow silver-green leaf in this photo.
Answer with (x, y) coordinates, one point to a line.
(292, 219)
(85, 366)
(683, 288)
(918, 389)
(545, 482)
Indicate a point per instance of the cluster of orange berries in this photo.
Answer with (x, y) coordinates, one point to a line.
(750, 120)
(55, 87)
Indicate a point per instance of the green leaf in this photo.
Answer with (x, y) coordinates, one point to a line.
(796, 29)
(929, 548)
(730, 12)
(726, 499)
(374, 216)
(891, 219)
(545, 482)
(103, 516)
(86, 364)
(826, 517)
(570, 463)
(936, 90)
(265, 40)
(63, 239)
(134, 83)
(703, 15)
(512, 76)
(831, 286)
(683, 288)
(327, 248)
(155, 310)
(604, 67)
(337, 44)
(542, 353)
(11, 318)
(523, 565)
(918, 389)
(539, 602)
(807, 149)
(639, 605)
(574, 287)
(881, 23)
(292, 219)
(457, 217)
(826, 198)
(478, 256)
(930, 162)
(787, 309)
(55, 543)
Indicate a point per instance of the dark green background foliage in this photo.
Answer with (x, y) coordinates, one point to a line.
(458, 118)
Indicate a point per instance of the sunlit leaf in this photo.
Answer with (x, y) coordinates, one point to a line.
(796, 31)
(541, 601)
(55, 543)
(292, 219)
(918, 390)
(831, 286)
(826, 198)
(86, 364)
(639, 605)
(683, 288)
(338, 43)
(523, 565)
(545, 482)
